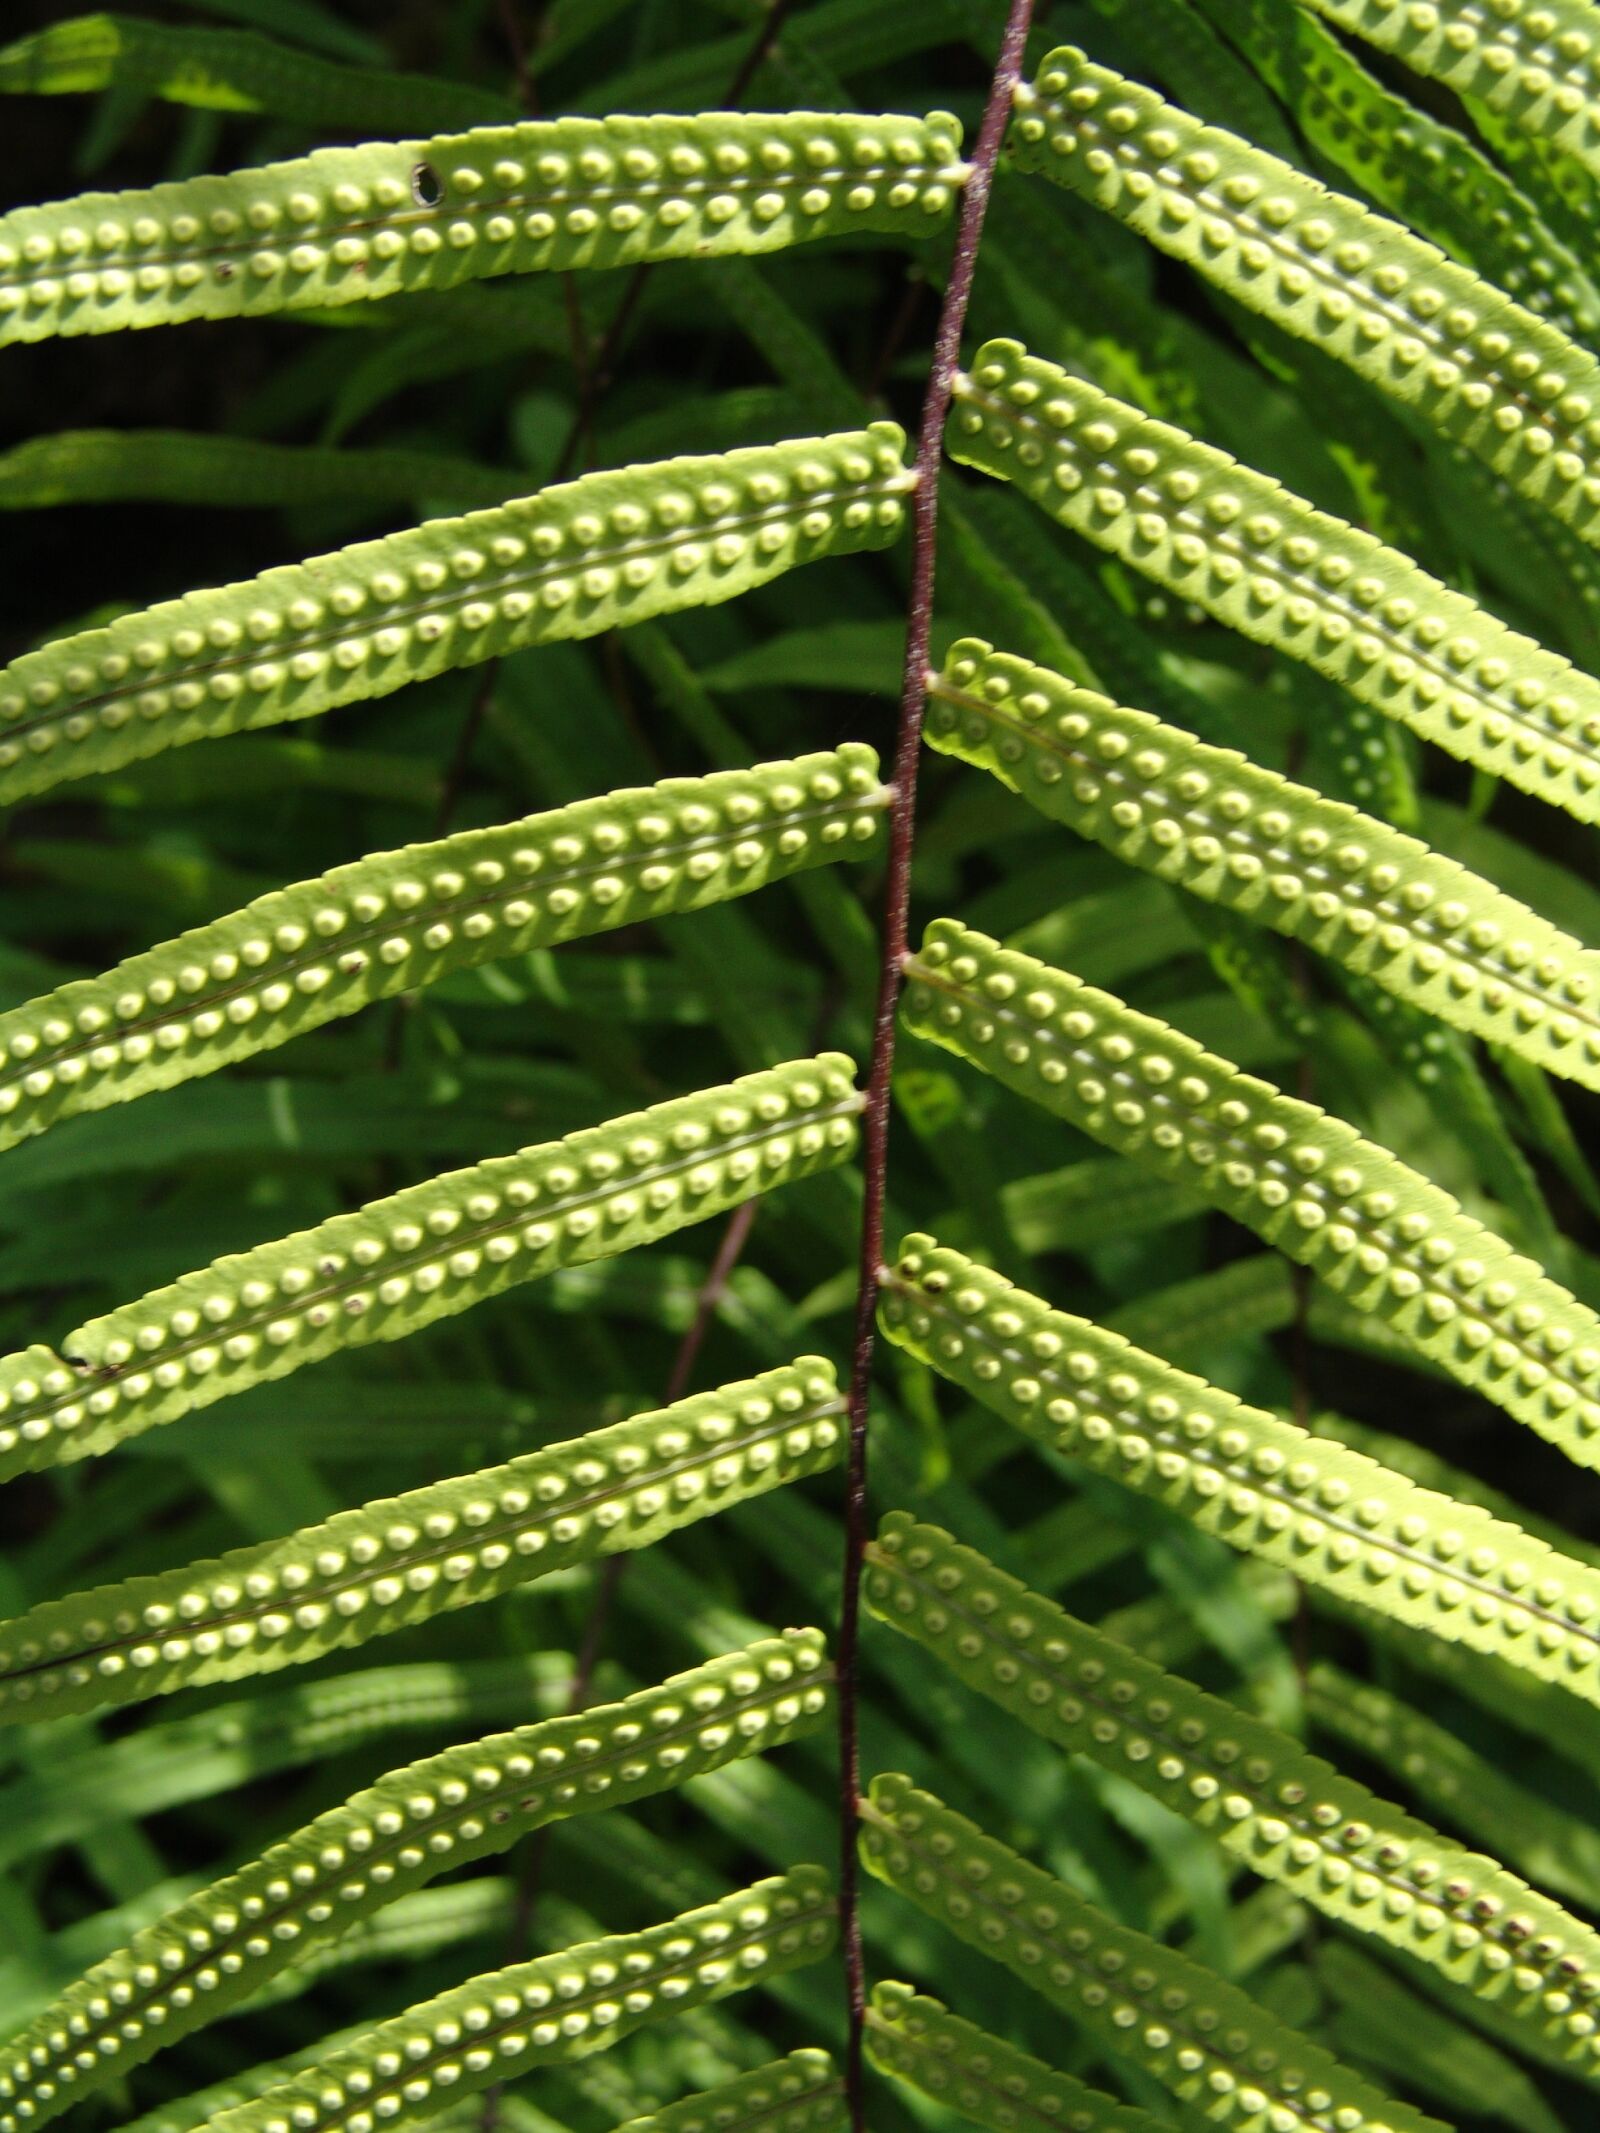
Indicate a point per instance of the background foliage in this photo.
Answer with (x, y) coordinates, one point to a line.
(104, 1824)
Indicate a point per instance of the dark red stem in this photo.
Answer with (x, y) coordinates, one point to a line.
(897, 903)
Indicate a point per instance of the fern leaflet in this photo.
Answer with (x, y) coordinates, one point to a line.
(222, 1945)
(405, 1559)
(1289, 1816)
(1301, 581)
(589, 555)
(394, 921)
(1201, 2038)
(345, 225)
(1390, 1242)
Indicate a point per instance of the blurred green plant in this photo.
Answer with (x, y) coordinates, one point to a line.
(569, 923)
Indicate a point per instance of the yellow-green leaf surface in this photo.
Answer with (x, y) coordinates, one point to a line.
(220, 1946)
(422, 1254)
(396, 1561)
(344, 225)
(395, 921)
(1287, 1815)
(593, 554)
(1342, 1522)
(1246, 550)
(1242, 836)
(1532, 62)
(1392, 1243)
(1478, 1791)
(557, 2008)
(802, 2093)
(915, 2039)
(1507, 385)
(1203, 2039)
(1431, 176)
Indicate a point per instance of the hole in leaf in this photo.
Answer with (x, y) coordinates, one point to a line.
(426, 189)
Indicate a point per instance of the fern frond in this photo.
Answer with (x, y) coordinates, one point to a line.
(916, 2039)
(242, 473)
(211, 69)
(181, 2114)
(395, 921)
(1555, 1847)
(1267, 564)
(801, 2093)
(1202, 2038)
(1567, 191)
(222, 1945)
(405, 1559)
(1429, 175)
(558, 2007)
(589, 555)
(1239, 835)
(1289, 1816)
(64, 1797)
(410, 1930)
(1089, 1202)
(1535, 67)
(1421, 1464)
(1339, 1520)
(1392, 1243)
(344, 225)
(1180, 47)
(1486, 372)
(422, 1254)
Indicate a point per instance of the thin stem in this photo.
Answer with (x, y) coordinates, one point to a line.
(897, 902)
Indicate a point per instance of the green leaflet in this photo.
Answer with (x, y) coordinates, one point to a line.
(247, 473)
(422, 1254)
(1568, 193)
(1532, 65)
(409, 1930)
(405, 1559)
(395, 921)
(556, 2008)
(66, 1794)
(1238, 835)
(1200, 2037)
(1391, 2031)
(1426, 1468)
(347, 224)
(1428, 174)
(1558, 1849)
(182, 2113)
(801, 2093)
(1270, 566)
(233, 70)
(915, 2039)
(1393, 1244)
(1338, 1520)
(589, 555)
(222, 1945)
(1446, 1069)
(1172, 39)
(1504, 383)
(1287, 1815)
